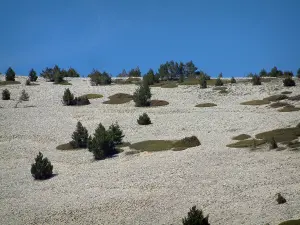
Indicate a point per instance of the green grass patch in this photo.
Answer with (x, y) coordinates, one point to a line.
(124, 144)
(275, 98)
(63, 83)
(246, 143)
(92, 96)
(286, 92)
(169, 85)
(206, 105)
(154, 103)
(9, 82)
(289, 108)
(280, 135)
(279, 104)
(66, 147)
(164, 145)
(119, 98)
(290, 222)
(256, 102)
(241, 137)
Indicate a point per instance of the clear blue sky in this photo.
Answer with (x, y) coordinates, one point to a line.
(230, 36)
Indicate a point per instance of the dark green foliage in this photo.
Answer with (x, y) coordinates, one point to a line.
(256, 80)
(288, 82)
(119, 98)
(72, 73)
(116, 133)
(5, 94)
(195, 217)
(58, 77)
(81, 100)
(280, 199)
(220, 75)
(103, 144)
(68, 97)
(98, 78)
(203, 83)
(263, 73)
(10, 74)
(219, 82)
(272, 143)
(275, 72)
(135, 72)
(142, 95)
(298, 73)
(233, 81)
(42, 168)
(32, 75)
(24, 96)
(80, 137)
(187, 142)
(123, 74)
(144, 119)
(149, 77)
(54, 74)
(288, 74)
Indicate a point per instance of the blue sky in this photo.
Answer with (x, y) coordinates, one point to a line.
(234, 37)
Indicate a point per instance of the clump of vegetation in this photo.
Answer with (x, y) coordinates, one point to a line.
(68, 99)
(42, 168)
(289, 108)
(223, 92)
(219, 82)
(203, 83)
(32, 75)
(116, 133)
(247, 143)
(195, 217)
(5, 94)
(206, 105)
(291, 222)
(294, 98)
(119, 98)
(275, 98)
(289, 82)
(280, 199)
(10, 74)
(80, 136)
(27, 83)
(98, 78)
(144, 119)
(169, 85)
(220, 88)
(232, 80)
(256, 102)
(187, 142)
(155, 103)
(55, 75)
(241, 137)
(103, 144)
(256, 80)
(24, 96)
(279, 104)
(92, 96)
(272, 143)
(280, 135)
(142, 95)
(286, 92)
(150, 77)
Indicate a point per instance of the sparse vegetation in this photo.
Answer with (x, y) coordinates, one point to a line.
(279, 104)
(144, 119)
(9, 82)
(275, 98)
(203, 83)
(27, 82)
(286, 92)
(280, 135)
(195, 217)
(232, 80)
(219, 88)
(219, 82)
(92, 96)
(247, 143)
(289, 82)
(5, 94)
(119, 98)
(256, 80)
(42, 168)
(241, 137)
(169, 85)
(289, 108)
(24, 96)
(256, 102)
(206, 105)
(155, 103)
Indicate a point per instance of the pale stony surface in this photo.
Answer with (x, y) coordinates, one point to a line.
(233, 186)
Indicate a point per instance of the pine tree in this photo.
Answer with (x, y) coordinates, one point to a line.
(195, 217)
(5, 94)
(68, 97)
(219, 82)
(142, 95)
(32, 75)
(203, 82)
(144, 119)
(10, 74)
(42, 168)
(116, 133)
(80, 137)
(233, 81)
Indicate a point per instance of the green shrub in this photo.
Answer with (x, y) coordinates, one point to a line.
(203, 83)
(80, 137)
(272, 143)
(24, 96)
(72, 73)
(280, 199)
(144, 119)
(102, 145)
(68, 97)
(219, 82)
(116, 133)
(142, 95)
(288, 82)
(58, 77)
(5, 94)
(256, 80)
(81, 100)
(32, 75)
(98, 78)
(195, 217)
(233, 81)
(10, 74)
(42, 168)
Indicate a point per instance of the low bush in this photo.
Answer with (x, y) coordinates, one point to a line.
(232, 80)
(203, 83)
(98, 78)
(195, 217)
(68, 99)
(27, 83)
(187, 142)
(219, 82)
(280, 199)
(32, 76)
(256, 80)
(42, 168)
(144, 119)
(288, 82)
(5, 94)
(80, 136)
(24, 96)
(119, 98)
(142, 95)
